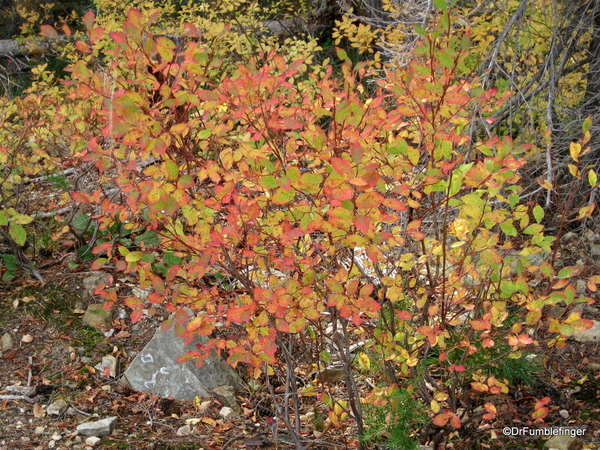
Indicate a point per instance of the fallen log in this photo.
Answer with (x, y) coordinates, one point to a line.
(10, 47)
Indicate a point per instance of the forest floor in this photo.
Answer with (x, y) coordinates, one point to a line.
(56, 354)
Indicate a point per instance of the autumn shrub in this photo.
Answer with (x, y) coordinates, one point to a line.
(338, 217)
(27, 151)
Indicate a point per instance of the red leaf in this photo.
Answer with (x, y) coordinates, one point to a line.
(118, 37)
(80, 197)
(241, 314)
(190, 29)
(292, 124)
(341, 166)
(96, 34)
(133, 302)
(102, 248)
(66, 30)
(98, 263)
(136, 315)
(403, 315)
(441, 419)
(395, 204)
(362, 223)
(49, 32)
(83, 47)
(455, 421)
(88, 20)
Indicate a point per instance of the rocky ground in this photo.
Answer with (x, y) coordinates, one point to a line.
(52, 381)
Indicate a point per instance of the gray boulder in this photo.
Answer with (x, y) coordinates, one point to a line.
(156, 371)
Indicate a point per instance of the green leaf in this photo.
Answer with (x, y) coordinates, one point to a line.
(400, 147)
(441, 5)
(446, 60)
(81, 221)
(311, 179)
(10, 262)
(149, 258)
(282, 196)
(369, 200)
(420, 30)
(204, 134)
(508, 228)
(172, 260)
(133, 256)
(567, 272)
(17, 233)
(538, 213)
(341, 54)
(9, 275)
(534, 228)
(148, 237)
(185, 182)
(21, 219)
(172, 169)
(587, 124)
(268, 182)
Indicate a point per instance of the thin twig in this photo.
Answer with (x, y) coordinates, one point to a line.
(17, 397)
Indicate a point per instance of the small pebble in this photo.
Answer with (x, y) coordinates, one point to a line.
(184, 430)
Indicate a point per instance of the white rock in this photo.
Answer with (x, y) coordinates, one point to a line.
(57, 408)
(227, 413)
(591, 335)
(39, 430)
(109, 366)
(103, 427)
(561, 443)
(142, 294)
(92, 441)
(7, 342)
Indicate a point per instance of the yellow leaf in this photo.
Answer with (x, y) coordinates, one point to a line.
(413, 155)
(575, 150)
(226, 158)
(592, 178)
(364, 362)
(586, 211)
(573, 170)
